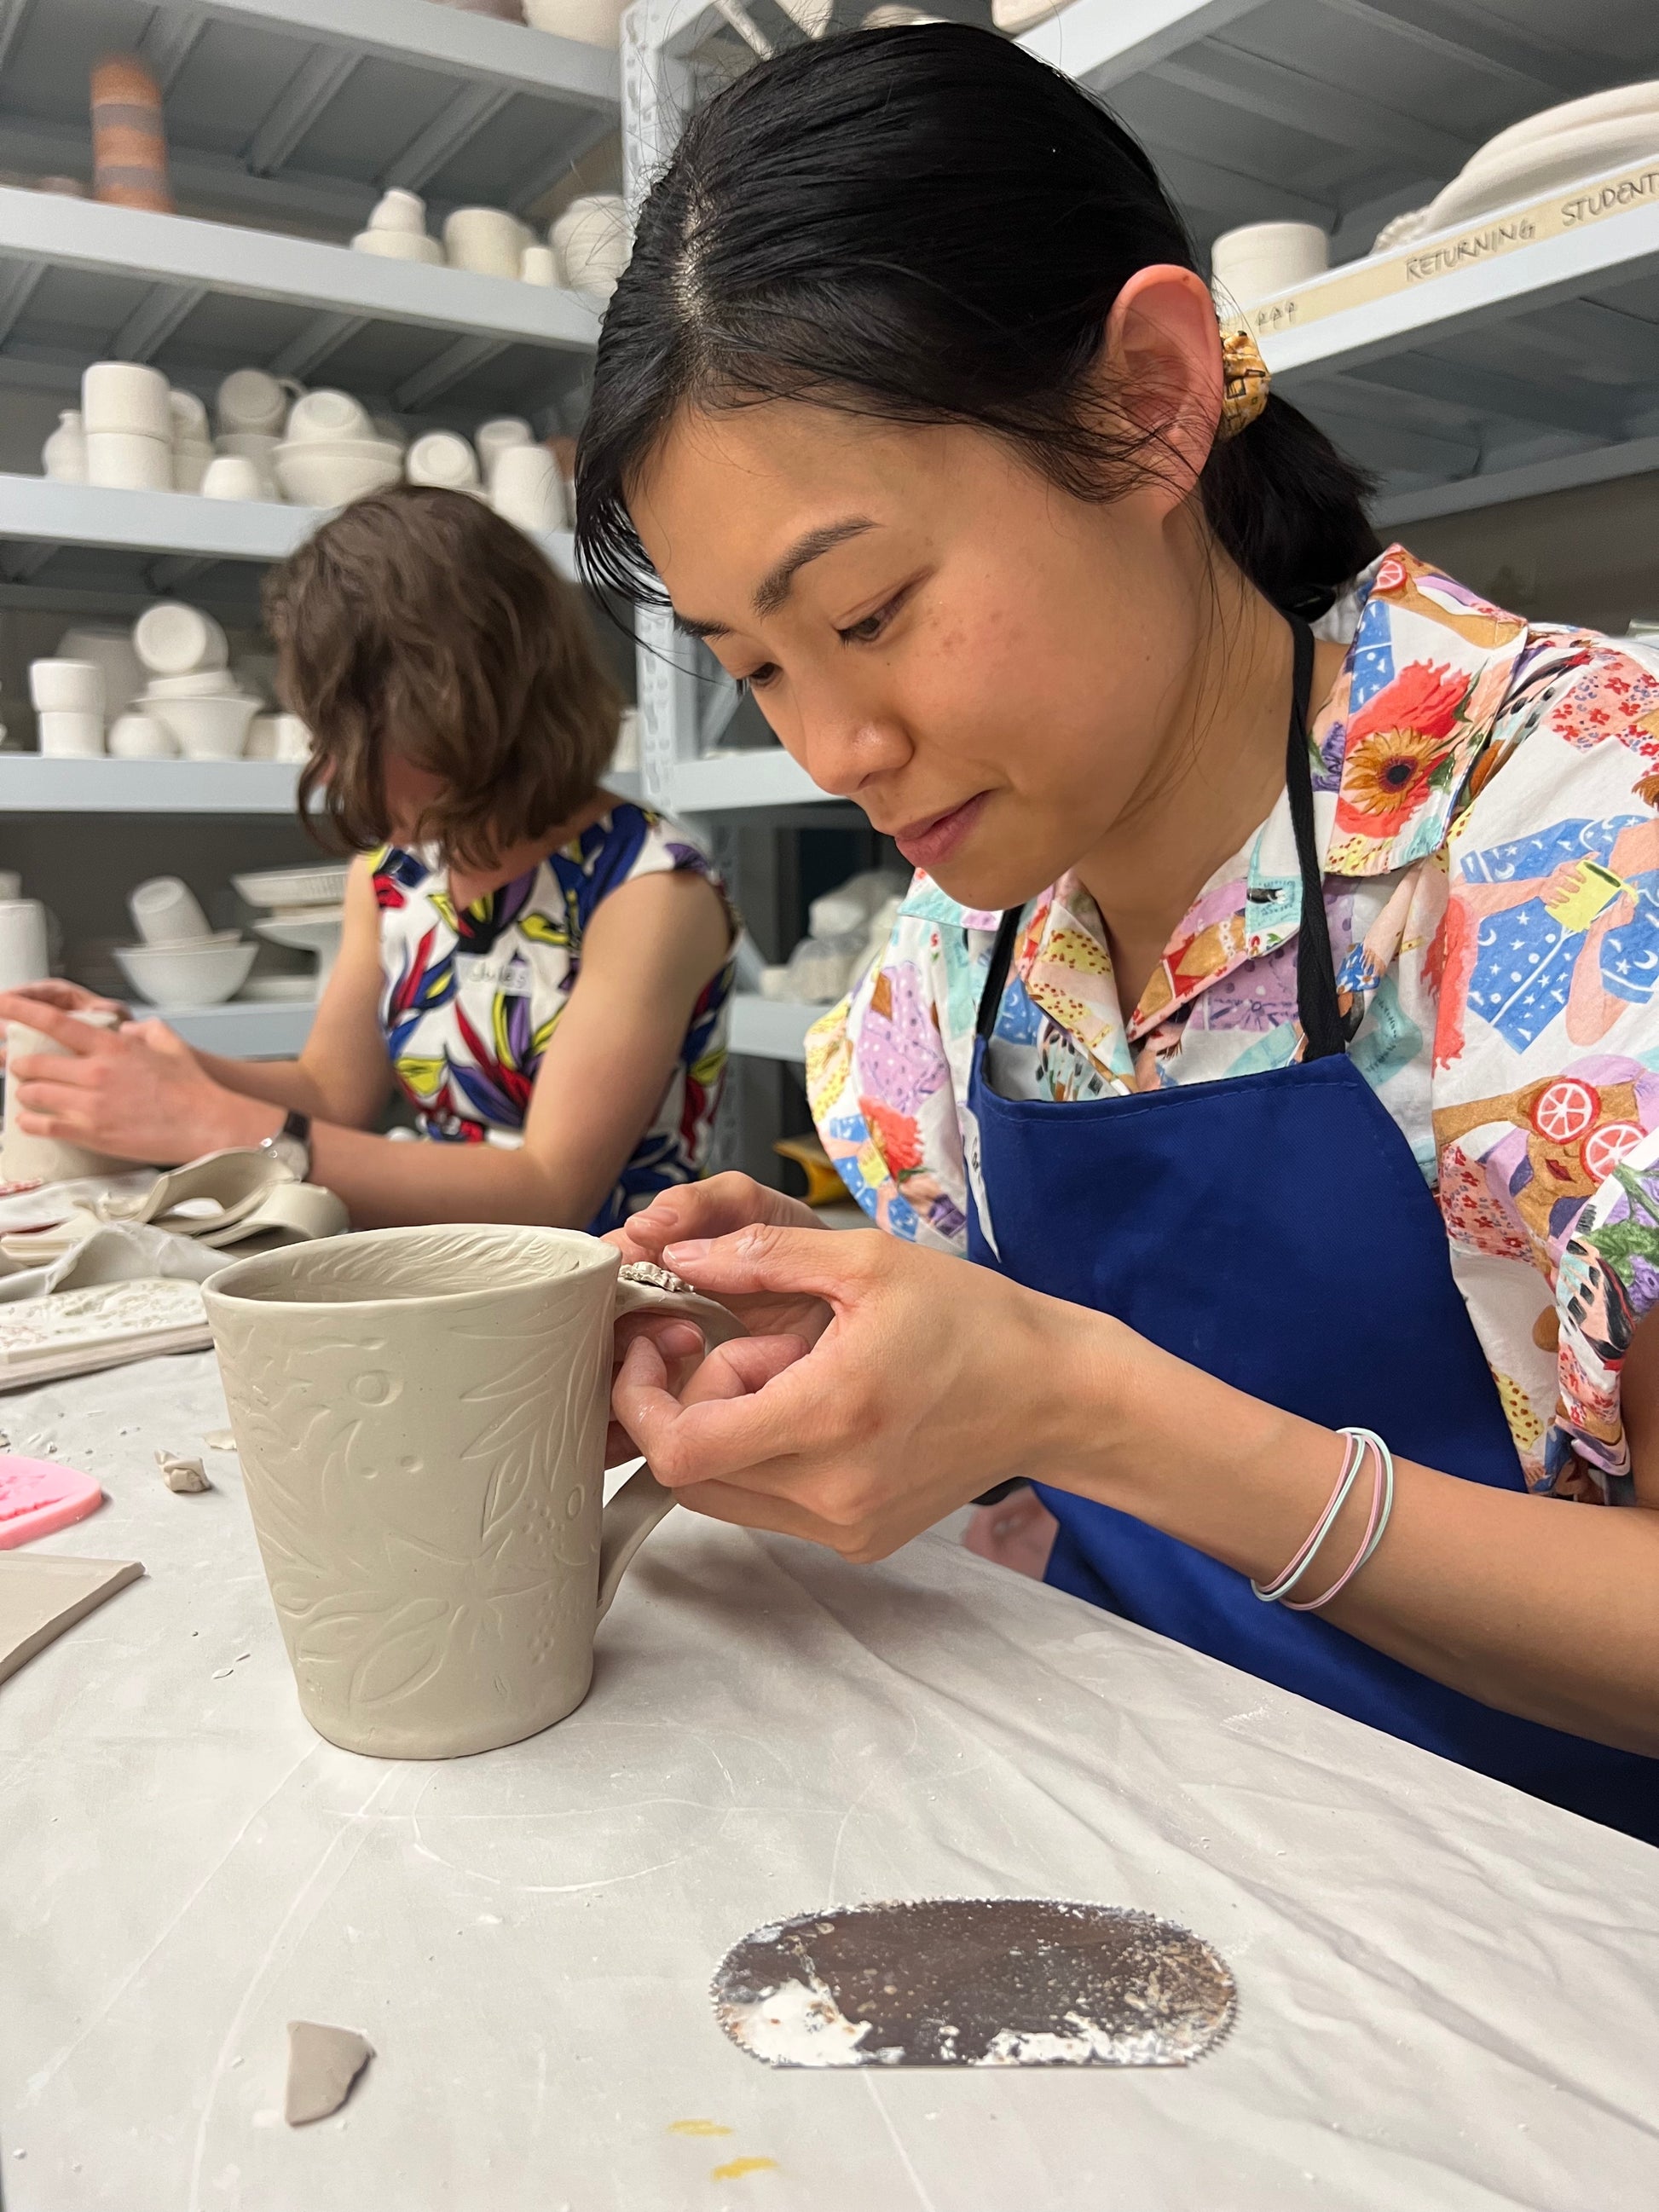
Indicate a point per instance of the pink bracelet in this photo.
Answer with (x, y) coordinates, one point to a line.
(1352, 1458)
(1382, 1507)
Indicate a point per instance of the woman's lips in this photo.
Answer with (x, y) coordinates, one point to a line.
(924, 844)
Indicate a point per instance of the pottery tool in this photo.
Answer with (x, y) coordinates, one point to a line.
(37, 1496)
(43, 1594)
(966, 1981)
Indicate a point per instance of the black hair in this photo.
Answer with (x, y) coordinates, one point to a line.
(926, 224)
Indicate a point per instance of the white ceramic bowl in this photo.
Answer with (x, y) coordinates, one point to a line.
(442, 457)
(252, 399)
(327, 472)
(1527, 169)
(400, 246)
(76, 685)
(173, 639)
(487, 240)
(258, 446)
(141, 736)
(166, 911)
(200, 684)
(187, 975)
(289, 887)
(525, 488)
(208, 729)
(596, 22)
(125, 395)
(592, 241)
(70, 732)
(230, 475)
(129, 460)
(326, 416)
(399, 209)
(277, 737)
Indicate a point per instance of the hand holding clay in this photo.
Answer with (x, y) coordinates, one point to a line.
(134, 1091)
(55, 992)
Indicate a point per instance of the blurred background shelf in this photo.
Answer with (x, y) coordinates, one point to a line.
(34, 783)
(250, 1031)
(763, 1029)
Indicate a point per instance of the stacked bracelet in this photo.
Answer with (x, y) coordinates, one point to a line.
(1361, 1444)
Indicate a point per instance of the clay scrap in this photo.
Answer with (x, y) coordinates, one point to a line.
(960, 1981)
(182, 1475)
(218, 1440)
(323, 2063)
(40, 1596)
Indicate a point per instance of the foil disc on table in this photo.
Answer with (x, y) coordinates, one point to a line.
(968, 1981)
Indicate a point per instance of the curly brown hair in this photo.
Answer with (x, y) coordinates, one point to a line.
(417, 619)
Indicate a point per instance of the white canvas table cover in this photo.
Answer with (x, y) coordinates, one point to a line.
(1449, 1995)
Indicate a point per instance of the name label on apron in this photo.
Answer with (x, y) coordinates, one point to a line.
(508, 974)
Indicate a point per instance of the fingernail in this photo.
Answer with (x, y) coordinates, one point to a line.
(682, 1256)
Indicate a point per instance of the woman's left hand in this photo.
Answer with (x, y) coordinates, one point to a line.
(136, 1092)
(934, 1380)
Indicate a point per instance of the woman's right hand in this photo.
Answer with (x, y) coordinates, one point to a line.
(718, 1207)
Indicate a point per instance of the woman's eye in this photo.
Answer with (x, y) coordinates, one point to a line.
(758, 679)
(867, 631)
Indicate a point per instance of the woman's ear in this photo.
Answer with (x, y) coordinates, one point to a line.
(1160, 372)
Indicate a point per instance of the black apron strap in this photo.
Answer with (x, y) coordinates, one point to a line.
(1322, 1023)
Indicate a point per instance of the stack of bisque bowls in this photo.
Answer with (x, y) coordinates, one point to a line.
(192, 694)
(521, 477)
(592, 242)
(332, 454)
(126, 410)
(179, 961)
(68, 702)
(396, 230)
(252, 406)
(487, 240)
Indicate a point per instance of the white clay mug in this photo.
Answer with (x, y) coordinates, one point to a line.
(421, 1416)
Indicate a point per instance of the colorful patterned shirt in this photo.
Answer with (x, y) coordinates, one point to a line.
(469, 999)
(1484, 797)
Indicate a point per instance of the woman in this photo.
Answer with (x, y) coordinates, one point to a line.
(1232, 947)
(541, 969)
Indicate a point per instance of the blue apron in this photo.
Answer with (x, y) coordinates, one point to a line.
(1275, 1231)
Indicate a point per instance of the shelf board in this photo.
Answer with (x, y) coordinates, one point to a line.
(765, 1028)
(254, 1029)
(766, 777)
(34, 783)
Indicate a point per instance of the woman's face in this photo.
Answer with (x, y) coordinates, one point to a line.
(988, 666)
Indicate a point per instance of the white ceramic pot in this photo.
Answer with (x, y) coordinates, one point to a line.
(326, 415)
(112, 649)
(25, 956)
(190, 419)
(129, 460)
(64, 456)
(125, 395)
(70, 733)
(141, 736)
(444, 458)
(232, 476)
(539, 266)
(421, 1420)
(199, 683)
(190, 463)
(487, 240)
(525, 489)
(173, 639)
(258, 446)
(24, 1159)
(492, 438)
(1259, 258)
(277, 737)
(399, 209)
(166, 911)
(399, 245)
(252, 399)
(208, 729)
(187, 975)
(329, 471)
(77, 685)
(593, 241)
(595, 22)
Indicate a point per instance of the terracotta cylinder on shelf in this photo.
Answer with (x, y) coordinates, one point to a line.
(128, 139)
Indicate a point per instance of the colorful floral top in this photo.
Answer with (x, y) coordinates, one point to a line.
(469, 999)
(1485, 794)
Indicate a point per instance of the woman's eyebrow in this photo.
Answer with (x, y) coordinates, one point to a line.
(773, 588)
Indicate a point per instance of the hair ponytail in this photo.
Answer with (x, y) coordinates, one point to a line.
(926, 225)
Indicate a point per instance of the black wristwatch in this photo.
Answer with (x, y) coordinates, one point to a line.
(291, 1146)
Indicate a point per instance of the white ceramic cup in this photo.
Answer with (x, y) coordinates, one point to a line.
(64, 456)
(487, 240)
(191, 460)
(211, 728)
(1259, 258)
(126, 396)
(173, 639)
(442, 457)
(252, 399)
(525, 488)
(328, 414)
(24, 1159)
(25, 956)
(277, 737)
(189, 418)
(70, 733)
(399, 209)
(258, 446)
(129, 460)
(421, 1419)
(493, 437)
(229, 475)
(538, 265)
(75, 684)
(141, 736)
(593, 241)
(400, 246)
(166, 911)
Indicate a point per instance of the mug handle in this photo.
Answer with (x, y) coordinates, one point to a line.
(643, 1501)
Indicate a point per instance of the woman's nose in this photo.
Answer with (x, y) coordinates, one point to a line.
(843, 745)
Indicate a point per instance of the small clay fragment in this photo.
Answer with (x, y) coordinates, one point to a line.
(323, 2063)
(185, 1474)
(218, 1440)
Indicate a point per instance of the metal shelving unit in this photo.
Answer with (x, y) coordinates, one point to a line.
(764, 1030)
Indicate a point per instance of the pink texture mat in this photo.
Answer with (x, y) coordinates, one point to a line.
(37, 1496)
